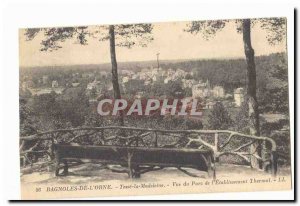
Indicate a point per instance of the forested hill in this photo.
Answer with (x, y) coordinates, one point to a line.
(230, 73)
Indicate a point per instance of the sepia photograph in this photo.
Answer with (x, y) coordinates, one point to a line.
(154, 108)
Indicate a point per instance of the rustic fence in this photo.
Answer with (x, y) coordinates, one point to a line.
(227, 146)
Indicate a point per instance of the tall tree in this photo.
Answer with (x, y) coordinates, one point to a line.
(124, 35)
(274, 94)
(276, 31)
(114, 69)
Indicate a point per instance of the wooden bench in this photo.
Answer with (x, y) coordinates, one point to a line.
(137, 160)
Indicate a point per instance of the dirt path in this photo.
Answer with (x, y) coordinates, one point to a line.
(93, 173)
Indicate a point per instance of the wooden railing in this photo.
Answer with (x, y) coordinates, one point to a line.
(228, 146)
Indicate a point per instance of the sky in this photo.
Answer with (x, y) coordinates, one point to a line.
(170, 40)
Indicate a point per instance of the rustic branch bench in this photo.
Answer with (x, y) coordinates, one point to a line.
(137, 160)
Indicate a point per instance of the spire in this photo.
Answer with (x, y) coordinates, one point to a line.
(207, 83)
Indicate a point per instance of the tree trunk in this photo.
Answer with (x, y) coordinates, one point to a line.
(114, 70)
(251, 91)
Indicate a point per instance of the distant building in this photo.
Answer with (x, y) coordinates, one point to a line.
(75, 84)
(166, 80)
(238, 96)
(127, 72)
(218, 91)
(209, 105)
(39, 92)
(170, 72)
(206, 92)
(154, 78)
(180, 73)
(88, 75)
(228, 96)
(273, 117)
(108, 86)
(201, 90)
(155, 71)
(147, 82)
(197, 91)
(26, 85)
(75, 74)
(45, 79)
(188, 83)
(228, 104)
(135, 76)
(143, 76)
(54, 84)
(125, 79)
(139, 95)
(95, 85)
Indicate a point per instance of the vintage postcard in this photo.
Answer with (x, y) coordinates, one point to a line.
(154, 108)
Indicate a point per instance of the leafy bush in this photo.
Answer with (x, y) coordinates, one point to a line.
(219, 117)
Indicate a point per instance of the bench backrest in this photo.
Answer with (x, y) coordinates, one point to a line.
(138, 155)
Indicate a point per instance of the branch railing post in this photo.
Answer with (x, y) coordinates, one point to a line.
(137, 141)
(216, 150)
(102, 136)
(155, 140)
(264, 154)
(274, 163)
(52, 149)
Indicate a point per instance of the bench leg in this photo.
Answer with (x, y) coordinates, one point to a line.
(131, 167)
(212, 173)
(211, 168)
(136, 172)
(130, 174)
(57, 163)
(66, 167)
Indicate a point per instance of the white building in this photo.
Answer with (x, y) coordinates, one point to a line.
(39, 92)
(238, 96)
(93, 85)
(197, 91)
(54, 84)
(201, 90)
(206, 92)
(125, 79)
(188, 83)
(218, 91)
(27, 85)
(75, 84)
(135, 76)
(166, 80)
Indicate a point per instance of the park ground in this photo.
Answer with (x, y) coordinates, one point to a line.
(93, 173)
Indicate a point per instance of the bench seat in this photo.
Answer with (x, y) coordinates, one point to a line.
(135, 158)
